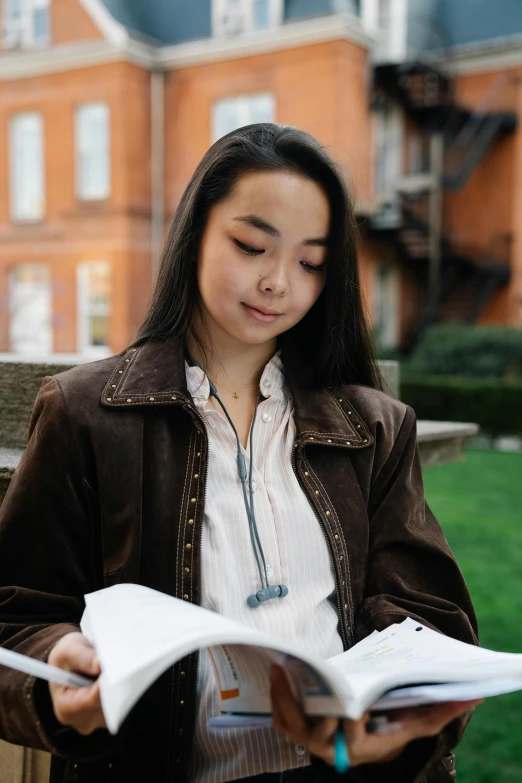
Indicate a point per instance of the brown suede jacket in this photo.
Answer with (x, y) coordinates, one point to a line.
(111, 489)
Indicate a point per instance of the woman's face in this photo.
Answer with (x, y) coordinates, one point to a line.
(262, 258)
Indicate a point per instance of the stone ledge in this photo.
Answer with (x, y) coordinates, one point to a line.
(443, 441)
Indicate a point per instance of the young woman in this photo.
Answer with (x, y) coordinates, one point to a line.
(131, 475)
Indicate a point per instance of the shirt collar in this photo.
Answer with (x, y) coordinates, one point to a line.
(272, 384)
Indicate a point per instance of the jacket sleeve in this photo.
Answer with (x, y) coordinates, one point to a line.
(49, 558)
(411, 573)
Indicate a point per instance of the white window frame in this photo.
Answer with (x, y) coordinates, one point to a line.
(26, 205)
(18, 31)
(85, 310)
(84, 192)
(243, 106)
(391, 44)
(389, 336)
(236, 17)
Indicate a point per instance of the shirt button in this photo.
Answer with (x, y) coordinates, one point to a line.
(300, 750)
(254, 486)
(267, 384)
(266, 417)
(269, 571)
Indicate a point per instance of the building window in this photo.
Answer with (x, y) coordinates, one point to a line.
(387, 20)
(26, 23)
(26, 162)
(388, 148)
(30, 310)
(94, 305)
(93, 175)
(386, 305)
(231, 113)
(234, 17)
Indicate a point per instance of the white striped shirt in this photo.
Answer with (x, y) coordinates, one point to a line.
(296, 555)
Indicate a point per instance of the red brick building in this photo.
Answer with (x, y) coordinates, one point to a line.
(107, 107)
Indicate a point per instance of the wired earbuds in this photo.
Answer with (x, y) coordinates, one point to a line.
(267, 591)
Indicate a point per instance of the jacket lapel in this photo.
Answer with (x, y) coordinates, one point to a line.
(154, 375)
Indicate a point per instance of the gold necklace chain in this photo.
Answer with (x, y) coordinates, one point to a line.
(235, 394)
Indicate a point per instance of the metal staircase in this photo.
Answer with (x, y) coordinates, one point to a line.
(468, 276)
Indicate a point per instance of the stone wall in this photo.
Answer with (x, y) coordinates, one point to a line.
(19, 385)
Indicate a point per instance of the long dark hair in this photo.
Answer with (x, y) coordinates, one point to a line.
(332, 341)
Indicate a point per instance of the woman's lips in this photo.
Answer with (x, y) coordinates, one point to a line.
(259, 315)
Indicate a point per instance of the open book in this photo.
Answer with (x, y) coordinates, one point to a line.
(138, 633)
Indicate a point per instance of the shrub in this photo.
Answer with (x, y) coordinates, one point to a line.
(469, 351)
(493, 403)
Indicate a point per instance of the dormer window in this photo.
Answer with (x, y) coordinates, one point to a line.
(236, 17)
(26, 24)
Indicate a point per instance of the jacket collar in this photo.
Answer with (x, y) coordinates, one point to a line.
(153, 375)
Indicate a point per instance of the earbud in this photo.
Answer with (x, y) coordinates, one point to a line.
(265, 594)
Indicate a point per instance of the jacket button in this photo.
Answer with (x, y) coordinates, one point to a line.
(189, 546)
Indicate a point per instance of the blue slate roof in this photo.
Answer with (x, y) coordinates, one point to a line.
(469, 21)
(453, 21)
(165, 21)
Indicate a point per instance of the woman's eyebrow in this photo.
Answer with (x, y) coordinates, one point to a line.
(262, 225)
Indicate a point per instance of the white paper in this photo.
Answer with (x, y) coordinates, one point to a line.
(451, 691)
(28, 665)
(138, 633)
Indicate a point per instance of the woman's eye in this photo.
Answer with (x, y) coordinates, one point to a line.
(312, 267)
(251, 251)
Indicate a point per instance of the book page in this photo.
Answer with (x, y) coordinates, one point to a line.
(139, 632)
(409, 653)
(243, 676)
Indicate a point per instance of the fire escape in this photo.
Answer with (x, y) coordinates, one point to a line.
(466, 276)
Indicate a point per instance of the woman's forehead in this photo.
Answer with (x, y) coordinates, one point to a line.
(282, 200)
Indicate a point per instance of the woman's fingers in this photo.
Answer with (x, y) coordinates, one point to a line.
(287, 715)
(364, 747)
(288, 718)
(430, 720)
(75, 653)
(79, 708)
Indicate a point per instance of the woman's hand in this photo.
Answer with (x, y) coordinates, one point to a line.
(363, 747)
(77, 707)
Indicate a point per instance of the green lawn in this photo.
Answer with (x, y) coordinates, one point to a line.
(478, 502)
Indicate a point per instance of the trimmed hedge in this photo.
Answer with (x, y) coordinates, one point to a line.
(470, 351)
(493, 403)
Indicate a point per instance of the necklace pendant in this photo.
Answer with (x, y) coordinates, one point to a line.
(235, 396)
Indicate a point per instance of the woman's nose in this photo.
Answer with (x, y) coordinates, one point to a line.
(274, 281)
